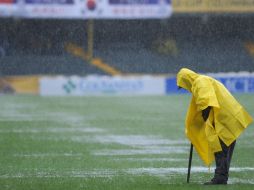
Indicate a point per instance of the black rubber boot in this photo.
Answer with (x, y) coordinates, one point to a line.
(221, 173)
(222, 160)
(216, 181)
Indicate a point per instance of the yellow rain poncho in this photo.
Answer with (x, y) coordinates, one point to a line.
(227, 118)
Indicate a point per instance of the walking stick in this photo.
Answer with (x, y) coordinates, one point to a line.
(189, 166)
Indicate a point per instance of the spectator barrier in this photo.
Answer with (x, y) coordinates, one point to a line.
(134, 85)
(117, 85)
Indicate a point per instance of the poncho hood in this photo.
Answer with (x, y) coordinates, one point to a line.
(185, 78)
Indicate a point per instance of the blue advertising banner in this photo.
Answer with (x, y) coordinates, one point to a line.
(233, 84)
(172, 88)
(238, 84)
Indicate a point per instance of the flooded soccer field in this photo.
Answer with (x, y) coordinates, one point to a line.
(107, 142)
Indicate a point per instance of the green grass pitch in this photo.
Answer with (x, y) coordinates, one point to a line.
(106, 143)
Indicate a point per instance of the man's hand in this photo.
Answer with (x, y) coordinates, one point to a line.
(205, 113)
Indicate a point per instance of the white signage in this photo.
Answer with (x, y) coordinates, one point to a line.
(102, 85)
(87, 9)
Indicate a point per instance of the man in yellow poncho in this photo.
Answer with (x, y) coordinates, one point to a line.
(214, 121)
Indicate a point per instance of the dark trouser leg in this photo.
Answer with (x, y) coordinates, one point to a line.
(223, 160)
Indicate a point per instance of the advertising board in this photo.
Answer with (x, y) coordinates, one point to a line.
(102, 85)
(87, 9)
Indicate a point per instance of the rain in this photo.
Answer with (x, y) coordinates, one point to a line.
(91, 96)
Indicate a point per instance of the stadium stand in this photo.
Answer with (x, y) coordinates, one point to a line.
(45, 64)
(204, 43)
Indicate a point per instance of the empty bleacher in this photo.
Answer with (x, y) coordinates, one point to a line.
(213, 44)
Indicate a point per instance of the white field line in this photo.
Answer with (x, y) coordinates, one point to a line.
(42, 155)
(122, 152)
(108, 173)
(137, 140)
(39, 155)
(9, 106)
(53, 130)
(54, 174)
(140, 144)
(151, 159)
(168, 171)
(18, 114)
(130, 140)
(240, 181)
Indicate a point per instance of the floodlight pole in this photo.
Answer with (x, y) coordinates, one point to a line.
(190, 160)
